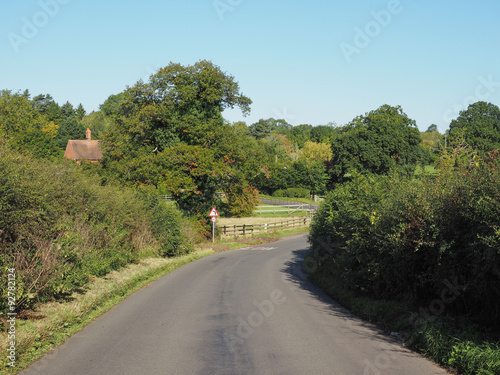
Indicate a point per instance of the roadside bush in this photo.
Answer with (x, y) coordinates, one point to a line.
(242, 199)
(342, 232)
(58, 227)
(470, 358)
(404, 239)
(408, 240)
(169, 227)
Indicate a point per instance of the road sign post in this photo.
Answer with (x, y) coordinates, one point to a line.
(214, 215)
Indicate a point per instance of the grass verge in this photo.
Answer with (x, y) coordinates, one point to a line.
(269, 212)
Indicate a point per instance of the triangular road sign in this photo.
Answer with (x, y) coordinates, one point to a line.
(213, 213)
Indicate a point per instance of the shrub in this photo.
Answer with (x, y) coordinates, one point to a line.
(242, 199)
(403, 239)
(59, 226)
(169, 227)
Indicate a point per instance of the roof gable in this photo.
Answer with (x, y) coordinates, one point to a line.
(83, 150)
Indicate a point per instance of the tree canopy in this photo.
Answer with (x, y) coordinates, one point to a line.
(25, 127)
(170, 132)
(480, 126)
(376, 142)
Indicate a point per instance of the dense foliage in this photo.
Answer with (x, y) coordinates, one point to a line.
(24, 127)
(169, 132)
(377, 142)
(58, 227)
(479, 124)
(387, 230)
(405, 239)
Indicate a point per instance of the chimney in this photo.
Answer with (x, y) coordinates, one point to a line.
(88, 135)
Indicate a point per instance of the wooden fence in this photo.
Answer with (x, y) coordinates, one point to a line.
(249, 229)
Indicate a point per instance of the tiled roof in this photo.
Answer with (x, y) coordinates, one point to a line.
(83, 150)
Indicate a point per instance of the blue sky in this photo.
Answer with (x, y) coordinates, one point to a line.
(312, 62)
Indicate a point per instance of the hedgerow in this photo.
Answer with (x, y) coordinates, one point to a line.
(59, 227)
(408, 240)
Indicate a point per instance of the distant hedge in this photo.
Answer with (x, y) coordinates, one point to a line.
(59, 227)
(292, 193)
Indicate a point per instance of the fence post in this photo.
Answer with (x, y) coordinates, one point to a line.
(243, 229)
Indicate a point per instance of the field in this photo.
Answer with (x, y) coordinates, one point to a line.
(230, 221)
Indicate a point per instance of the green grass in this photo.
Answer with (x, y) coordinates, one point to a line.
(260, 238)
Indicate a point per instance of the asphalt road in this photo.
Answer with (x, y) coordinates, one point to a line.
(247, 311)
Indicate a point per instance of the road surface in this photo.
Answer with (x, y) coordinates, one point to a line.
(247, 311)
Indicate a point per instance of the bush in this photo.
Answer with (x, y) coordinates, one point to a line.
(407, 240)
(242, 199)
(59, 227)
(169, 227)
(403, 239)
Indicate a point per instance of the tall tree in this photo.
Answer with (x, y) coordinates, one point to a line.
(67, 111)
(432, 128)
(24, 127)
(70, 128)
(264, 128)
(375, 143)
(173, 124)
(260, 129)
(80, 112)
(480, 126)
(324, 133)
(46, 105)
(300, 134)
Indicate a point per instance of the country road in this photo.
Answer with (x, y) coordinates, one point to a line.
(247, 311)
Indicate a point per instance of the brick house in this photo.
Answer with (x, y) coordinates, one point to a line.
(87, 149)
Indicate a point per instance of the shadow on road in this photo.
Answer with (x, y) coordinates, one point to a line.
(296, 278)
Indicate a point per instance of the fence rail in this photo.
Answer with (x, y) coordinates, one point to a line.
(289, 209)
(249, 229)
